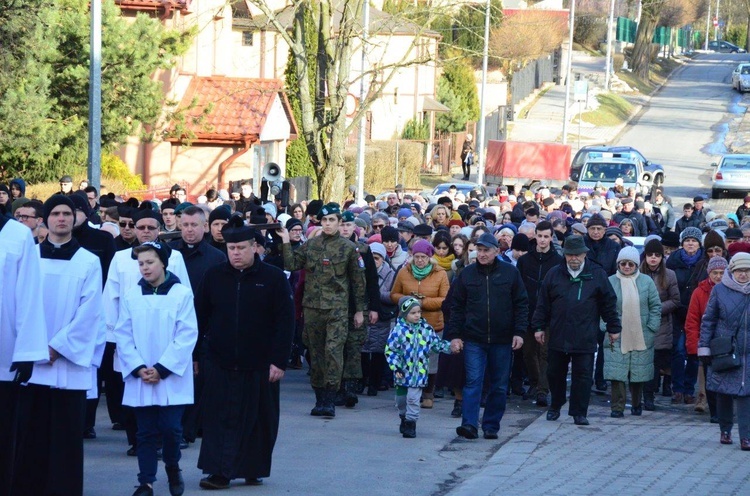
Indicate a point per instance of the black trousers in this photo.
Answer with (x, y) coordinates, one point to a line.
(13, 421)
(599, 371)
(111, 383)
(50, 450)
(580, 384)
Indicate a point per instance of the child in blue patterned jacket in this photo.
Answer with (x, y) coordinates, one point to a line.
(408, 352)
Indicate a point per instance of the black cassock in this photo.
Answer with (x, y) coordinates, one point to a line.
(240, 418)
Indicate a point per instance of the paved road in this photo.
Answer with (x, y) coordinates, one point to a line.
(358, 452)
(687, 124)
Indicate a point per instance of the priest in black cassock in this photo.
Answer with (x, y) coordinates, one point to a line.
(245, 316)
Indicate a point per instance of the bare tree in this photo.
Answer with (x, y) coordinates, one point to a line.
(323, 37)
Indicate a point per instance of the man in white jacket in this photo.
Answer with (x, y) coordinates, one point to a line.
(156, 333)
(71, 280)
(23, 339)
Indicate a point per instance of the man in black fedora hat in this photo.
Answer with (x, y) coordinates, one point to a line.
(573, 298)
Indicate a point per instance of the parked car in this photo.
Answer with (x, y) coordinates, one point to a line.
(604, 172)
(741, 78)
(732, 174)
(654, 173)
(724, 47)
(463, 188)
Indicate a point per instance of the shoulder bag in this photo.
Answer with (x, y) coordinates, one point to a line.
(724, 355)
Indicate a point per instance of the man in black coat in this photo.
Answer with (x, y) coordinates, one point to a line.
(574, 297)
(628, 212)
(488, 319)
(127, 239)
(246, 321)
(199, 256)
(533, 266)
(603, 252)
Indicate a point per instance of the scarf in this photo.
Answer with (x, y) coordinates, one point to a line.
(445, 262)
(689, 260)
(632, 328)
(420, 274)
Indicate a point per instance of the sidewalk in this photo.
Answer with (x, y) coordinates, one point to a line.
(544, 119)
(662, 452)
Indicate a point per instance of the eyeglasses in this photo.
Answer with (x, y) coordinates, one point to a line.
(25, 218)
(298, 230)
(378, 226)
(741, 271)
(658, 255)
(131, 225)
(147, 228)
(626, 264)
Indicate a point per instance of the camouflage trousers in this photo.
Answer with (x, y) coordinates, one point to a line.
(355, 339)
(324, 336)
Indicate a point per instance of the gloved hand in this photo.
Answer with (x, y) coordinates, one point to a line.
(23, 371)
(705, 360)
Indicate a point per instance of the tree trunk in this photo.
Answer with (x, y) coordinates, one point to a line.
(747, 38)
(641, 57)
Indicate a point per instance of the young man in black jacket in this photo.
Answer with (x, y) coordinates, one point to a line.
(574, 297)
(533, 266)
(489, 317)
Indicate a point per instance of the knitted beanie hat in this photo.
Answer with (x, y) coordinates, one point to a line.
(629, 253)
(424, 247)
(691, 232)
(739, 261)
(405, 304)
(712, 240)
(654, 246)
(716, 263)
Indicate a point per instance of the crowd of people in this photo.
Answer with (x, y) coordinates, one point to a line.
(187, 314)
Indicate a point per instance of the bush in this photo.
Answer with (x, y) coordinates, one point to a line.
(380, 168)
(737, 35)
(415, 130)
(590, 28)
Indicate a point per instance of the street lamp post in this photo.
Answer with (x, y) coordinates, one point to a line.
(95, 98)
(362, 119)
(480, 132)
(568, 71)
(609, 45)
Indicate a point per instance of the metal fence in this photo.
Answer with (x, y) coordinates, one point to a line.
(531, 78)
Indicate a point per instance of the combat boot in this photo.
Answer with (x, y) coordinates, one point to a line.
(350, 397)
(410, 429)
(339, 398)
(403, 424)
(328, 409)
(317, 411)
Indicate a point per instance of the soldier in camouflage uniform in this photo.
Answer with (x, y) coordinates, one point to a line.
(333, 269)
(355, 339)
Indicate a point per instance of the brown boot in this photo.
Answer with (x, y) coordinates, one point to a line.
(701, 405)
(677, 398)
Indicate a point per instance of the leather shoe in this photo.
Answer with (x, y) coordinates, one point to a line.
(253, 482)
(541, 399)
(467, 431)
(214, 482)
(132, 451)
(689, 399)
(649, 405)
(745, 444)
(553, 415)
(493, 435)
(637, 411)
(678, 398)
(144, 490)
(89, 433)
(117, 426)
(726, 438)
(580, 420)
(616, 414)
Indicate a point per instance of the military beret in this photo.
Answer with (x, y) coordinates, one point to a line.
(347, 216)
(331, 208)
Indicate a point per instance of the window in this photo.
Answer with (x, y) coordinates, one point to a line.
(247, 38)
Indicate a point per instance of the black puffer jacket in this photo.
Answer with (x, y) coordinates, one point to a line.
(489, 304)
(603, 253)
(571, 308)
(533, 267)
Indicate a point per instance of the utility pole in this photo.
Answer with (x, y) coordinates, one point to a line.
(95, 97)
(568, 72)
(480, 133)
(718, 21)
(609, 45)
(363, 117)
(708, 26)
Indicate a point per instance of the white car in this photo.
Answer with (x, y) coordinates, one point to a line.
(741, 78)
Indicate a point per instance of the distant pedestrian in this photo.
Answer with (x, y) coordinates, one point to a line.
(408, 353)
(727, 317)
(630, 359)
(467, 156)
(574, 297)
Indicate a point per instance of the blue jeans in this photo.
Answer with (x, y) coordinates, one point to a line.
(477, 357)
(684, 368)
(158, 424)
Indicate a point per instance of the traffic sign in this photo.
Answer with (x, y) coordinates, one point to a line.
(716, 22)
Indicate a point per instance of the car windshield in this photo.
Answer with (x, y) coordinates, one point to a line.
(736, 163)
(745, 69)
(585, 156)
(608, 172)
